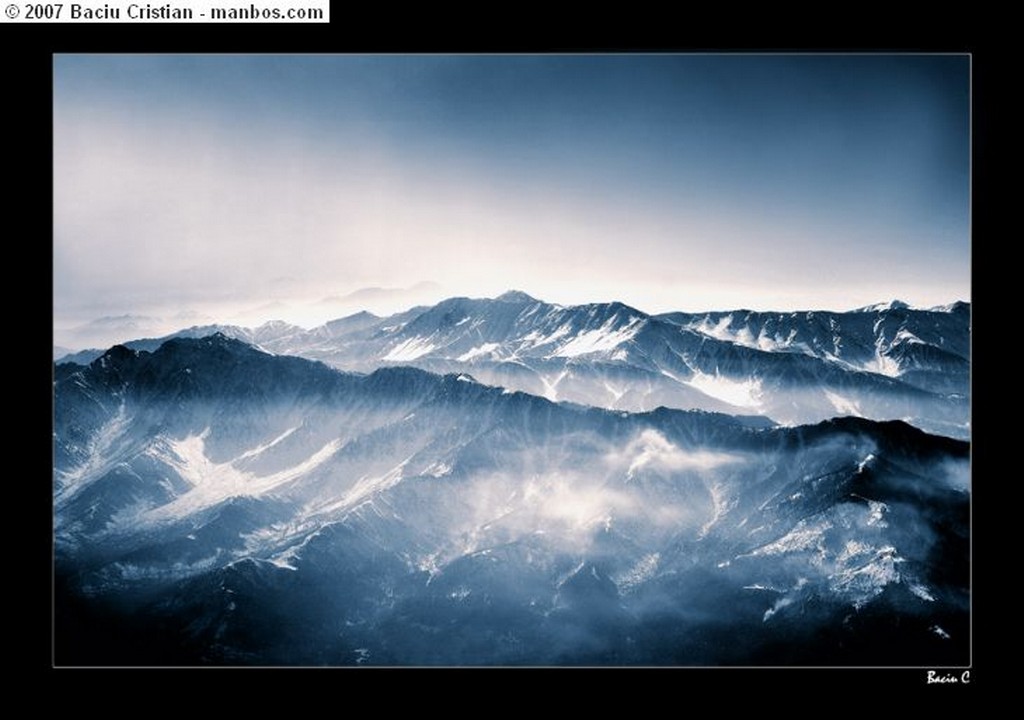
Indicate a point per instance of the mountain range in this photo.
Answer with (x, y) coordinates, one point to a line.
(881, 362)
(218, 500)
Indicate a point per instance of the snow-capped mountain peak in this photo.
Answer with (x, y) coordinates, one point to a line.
(225, 505)
(883, 306)
(516, 296)
(886, 363)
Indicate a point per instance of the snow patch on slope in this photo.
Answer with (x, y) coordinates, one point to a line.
(905, 336)
(843, 405)
(215, 482)
(363, 489)
(861, 582)
(485, 349)
(882, 364)
(551, 387)
(97, 461)
(722, 330)
(745, 393)
(642, 571)
(535, 339)
(601, 339)
(266, 446)
(410, 349)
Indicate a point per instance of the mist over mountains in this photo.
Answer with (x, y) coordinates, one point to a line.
(881, 362)
(510, 482)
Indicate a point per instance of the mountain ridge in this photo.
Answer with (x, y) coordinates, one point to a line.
(889, 363)
(208, 487)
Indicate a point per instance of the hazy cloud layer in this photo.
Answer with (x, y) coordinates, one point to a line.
(214, 185)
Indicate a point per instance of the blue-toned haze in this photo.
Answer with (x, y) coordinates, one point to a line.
(204, 186)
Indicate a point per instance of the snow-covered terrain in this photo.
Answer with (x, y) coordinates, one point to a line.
(217, 503)
(883, 362)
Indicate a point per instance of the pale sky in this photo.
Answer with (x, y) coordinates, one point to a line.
(199, 186)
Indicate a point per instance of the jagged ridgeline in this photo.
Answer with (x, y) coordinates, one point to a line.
(218, 504)
(880, 362)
